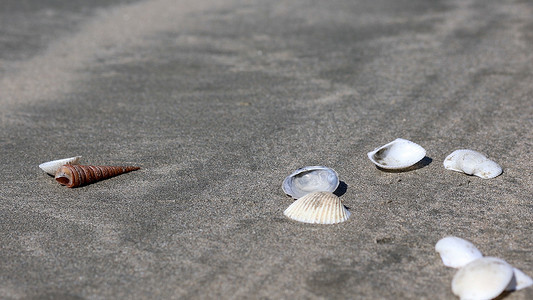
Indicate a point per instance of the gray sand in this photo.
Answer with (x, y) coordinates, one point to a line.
(218, 102)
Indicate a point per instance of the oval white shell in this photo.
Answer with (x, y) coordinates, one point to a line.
(51, 167)
(318, 208)
(484, 278)
(398, 154)
(456, 252)
(472, 163)
(519, 281)
(310, 179)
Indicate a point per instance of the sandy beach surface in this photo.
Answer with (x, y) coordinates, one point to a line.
(217, 102)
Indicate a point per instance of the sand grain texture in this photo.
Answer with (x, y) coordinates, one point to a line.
(218, 101)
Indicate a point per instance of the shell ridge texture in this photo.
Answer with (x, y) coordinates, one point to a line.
(79, 175)
(318, 208)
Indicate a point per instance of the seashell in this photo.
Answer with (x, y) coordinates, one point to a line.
(398, 154)
(472, 163)
(318, 208)
(77, 175)
(456, 252)
(519, 281)
(51, 167)
(484, 278)
(310, 179)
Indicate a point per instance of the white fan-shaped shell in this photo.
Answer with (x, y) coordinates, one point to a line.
(472, 163)
(310, 179)
(519, 281)
(51, 167)
(318, 208)
(484, 278)
(398, 154)
(456, 252)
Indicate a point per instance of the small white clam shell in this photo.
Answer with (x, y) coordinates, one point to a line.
(484, 278)
(456, 252)
(398, 154)
(51, 167)
(519, 281)
(472, 163)
(318, 208)
(310, 179)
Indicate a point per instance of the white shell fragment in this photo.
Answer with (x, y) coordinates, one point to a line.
(51, 167)
(456, 252)
(472, 163)
(310, 179)
(519, 281)
(398, 154)
(484, 278)
(318, 208)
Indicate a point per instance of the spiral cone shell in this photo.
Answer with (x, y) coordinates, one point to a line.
(318, 208)
(78, 175)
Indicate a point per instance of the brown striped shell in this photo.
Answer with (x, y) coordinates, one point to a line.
(78, 175)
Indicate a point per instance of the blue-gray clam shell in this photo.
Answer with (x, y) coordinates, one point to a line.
(310, 179)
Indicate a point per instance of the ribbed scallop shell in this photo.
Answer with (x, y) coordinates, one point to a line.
(318, 208)
(51, 167)
(76, 175)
